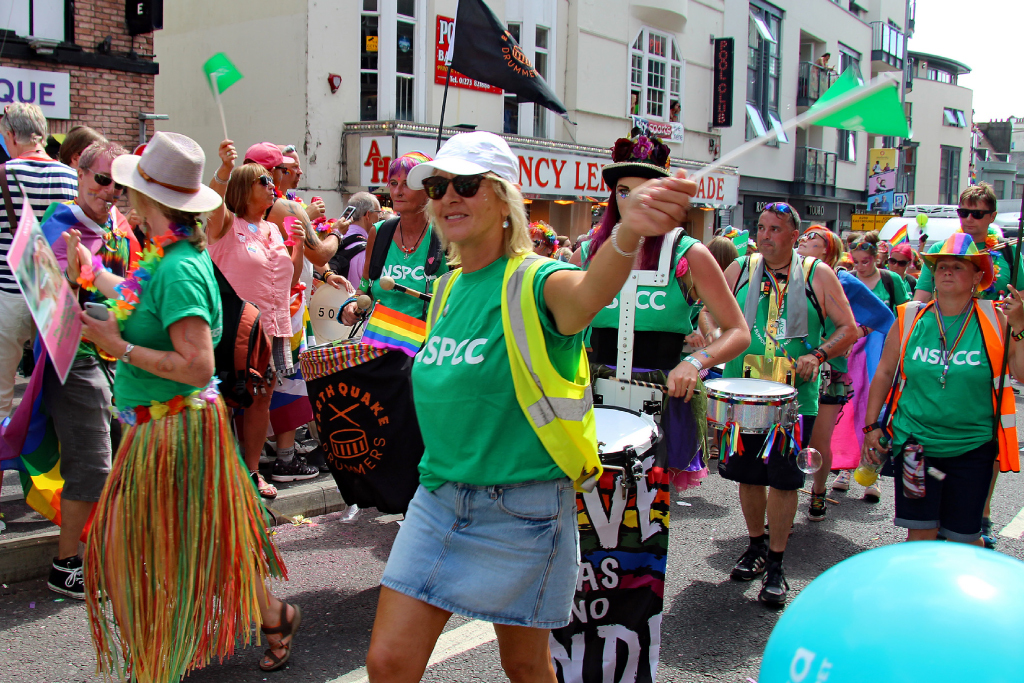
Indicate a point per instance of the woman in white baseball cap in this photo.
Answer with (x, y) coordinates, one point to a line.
(179, 550)
(491, 532)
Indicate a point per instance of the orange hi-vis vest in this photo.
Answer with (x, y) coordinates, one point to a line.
(1004, 406)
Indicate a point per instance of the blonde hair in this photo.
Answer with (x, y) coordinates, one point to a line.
(516, 236)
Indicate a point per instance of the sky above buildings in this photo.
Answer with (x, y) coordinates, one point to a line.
(987, 39)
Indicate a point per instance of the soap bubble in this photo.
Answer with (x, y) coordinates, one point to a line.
(809, 460)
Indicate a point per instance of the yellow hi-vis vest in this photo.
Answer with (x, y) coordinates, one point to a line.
(560, 411)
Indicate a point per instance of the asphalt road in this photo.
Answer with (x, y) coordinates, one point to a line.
(713, 628)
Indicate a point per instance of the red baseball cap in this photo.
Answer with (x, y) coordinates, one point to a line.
(903, 250)
(268, 155)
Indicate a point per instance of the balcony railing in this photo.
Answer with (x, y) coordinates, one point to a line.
(886, 44)
(813, 81)
(815, 166)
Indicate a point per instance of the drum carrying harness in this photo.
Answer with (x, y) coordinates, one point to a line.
(560, 411)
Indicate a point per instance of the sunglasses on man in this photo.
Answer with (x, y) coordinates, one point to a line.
(104, 180)
(976, 214)
(465, 185)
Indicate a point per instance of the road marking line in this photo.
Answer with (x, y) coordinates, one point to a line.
(1016, 526)
(454, 642)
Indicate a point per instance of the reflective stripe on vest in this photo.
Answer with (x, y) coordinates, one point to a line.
(559, 411)
(992, 333)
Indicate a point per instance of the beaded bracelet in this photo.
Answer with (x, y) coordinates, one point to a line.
(618, 249)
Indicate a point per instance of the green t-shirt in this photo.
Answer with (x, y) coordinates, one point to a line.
(406, 269)
(999, 263)
(807, 392)
(901, 292)
(182, 287)
(474, 431)
(956, 419)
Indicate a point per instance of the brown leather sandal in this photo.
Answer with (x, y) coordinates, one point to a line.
(285, 629)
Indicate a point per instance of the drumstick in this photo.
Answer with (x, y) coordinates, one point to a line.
(781, 347)
(363, 302)
(390, 284)
(636, 382)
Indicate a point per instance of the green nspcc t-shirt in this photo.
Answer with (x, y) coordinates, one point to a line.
(474, 431)
(182, 287)
(407, 270)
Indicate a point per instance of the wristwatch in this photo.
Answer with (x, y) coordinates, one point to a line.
(127, 356)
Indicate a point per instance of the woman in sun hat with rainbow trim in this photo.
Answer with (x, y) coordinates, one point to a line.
(945, 429)
(179, 551)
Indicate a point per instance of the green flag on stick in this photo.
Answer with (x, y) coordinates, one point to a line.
(221, 73)
(880, 113)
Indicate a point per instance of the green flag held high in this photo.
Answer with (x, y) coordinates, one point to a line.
(879, 113)
(221, 71)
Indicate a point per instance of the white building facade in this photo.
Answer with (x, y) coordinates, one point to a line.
(607, 60)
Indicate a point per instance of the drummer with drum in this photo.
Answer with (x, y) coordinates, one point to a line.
(786, 310)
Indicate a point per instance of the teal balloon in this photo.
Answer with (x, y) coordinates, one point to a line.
(920, 612)
(922, 219)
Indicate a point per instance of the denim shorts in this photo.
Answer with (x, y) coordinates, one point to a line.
(505, 554)
(80, 409)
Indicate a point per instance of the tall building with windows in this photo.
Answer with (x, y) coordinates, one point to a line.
(795, 49)
(941, 113)
(613, 63)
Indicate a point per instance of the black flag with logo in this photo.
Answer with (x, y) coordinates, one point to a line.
(484, 50)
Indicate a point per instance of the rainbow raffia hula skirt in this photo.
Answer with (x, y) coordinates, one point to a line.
(178, 547)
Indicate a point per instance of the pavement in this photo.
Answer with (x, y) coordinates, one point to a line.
(713, 630)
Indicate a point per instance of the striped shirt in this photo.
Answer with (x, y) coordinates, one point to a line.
(44, 181)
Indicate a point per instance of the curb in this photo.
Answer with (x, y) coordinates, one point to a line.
(29, 557)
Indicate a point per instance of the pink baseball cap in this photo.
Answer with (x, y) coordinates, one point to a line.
(268, 155)
(903, 250)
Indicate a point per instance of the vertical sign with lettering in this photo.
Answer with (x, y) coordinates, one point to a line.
(721, 93)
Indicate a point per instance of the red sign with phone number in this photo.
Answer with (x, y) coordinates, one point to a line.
(445, 33)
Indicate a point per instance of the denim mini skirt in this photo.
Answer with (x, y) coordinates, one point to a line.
(505, 554)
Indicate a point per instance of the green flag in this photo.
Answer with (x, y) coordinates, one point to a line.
(880, 113)
(220, 71)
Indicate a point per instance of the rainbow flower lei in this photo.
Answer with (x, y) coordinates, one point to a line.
(130, 290)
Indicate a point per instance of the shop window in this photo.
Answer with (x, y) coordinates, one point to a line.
(35, 18)
(949, 175)
(655, 75)
(391, 60)
(764, 65)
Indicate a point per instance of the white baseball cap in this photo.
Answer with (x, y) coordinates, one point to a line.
(469, 154)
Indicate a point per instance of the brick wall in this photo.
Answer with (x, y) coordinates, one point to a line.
(105, 99)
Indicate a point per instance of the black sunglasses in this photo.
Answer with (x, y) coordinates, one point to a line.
(976, 214)
(105, 180)
(266, 181)
(465, 185)
(283, 169)
(897, 262)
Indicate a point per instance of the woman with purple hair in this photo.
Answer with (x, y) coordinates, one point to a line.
(403, 248)
(662, 317)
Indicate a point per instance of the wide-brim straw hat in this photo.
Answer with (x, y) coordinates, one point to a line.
(170, 171)
(961, 245)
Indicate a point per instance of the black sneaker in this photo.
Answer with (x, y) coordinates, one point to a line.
(750, 564)
(317, 458)
(294, 470)
(816, 511)
(66, 578)
(773, 585)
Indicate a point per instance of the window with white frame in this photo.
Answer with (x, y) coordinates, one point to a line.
(391, 80)
(764, 65)
(846, 149)
(953, 117)
(532, 23)
(34, 18)
(655, 75)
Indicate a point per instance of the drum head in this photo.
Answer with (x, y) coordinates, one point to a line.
(743, 386)
(324, 314)
(619, 429)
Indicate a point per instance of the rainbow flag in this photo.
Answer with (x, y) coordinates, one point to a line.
(900, 236)
(389, 329)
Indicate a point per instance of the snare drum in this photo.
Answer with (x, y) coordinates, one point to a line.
(757, 405)
(623, 438)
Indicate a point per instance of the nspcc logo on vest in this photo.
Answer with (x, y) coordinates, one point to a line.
(440, 348)
(934, 356)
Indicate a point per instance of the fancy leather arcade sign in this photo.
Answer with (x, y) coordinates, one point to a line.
(721, 93)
